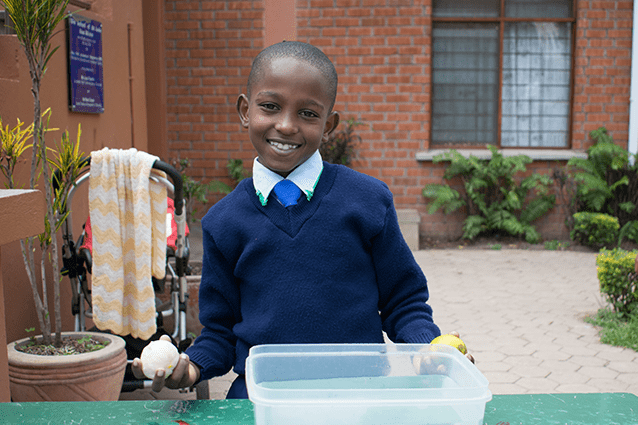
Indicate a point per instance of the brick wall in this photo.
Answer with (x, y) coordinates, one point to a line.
(209, 50)
(602, 70)
(382, 51)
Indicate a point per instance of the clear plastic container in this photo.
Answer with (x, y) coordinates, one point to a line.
(367, 384)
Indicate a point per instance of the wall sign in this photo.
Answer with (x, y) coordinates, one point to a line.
(86, 81)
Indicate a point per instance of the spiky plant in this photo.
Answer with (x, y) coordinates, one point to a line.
(35, 23)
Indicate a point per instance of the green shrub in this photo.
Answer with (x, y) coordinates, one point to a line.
(197, 191)
(496, 201)
(607, 181)
(556, 245)
(595, 229)
(629, 231)
(339, 148)
(619, 280)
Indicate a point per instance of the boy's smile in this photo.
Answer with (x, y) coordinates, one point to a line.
(288, 115)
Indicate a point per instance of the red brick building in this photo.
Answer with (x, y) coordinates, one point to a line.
(532, 77)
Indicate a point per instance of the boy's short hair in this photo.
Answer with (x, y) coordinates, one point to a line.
(298, 50)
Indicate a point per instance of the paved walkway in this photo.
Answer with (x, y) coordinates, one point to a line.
(521, 316)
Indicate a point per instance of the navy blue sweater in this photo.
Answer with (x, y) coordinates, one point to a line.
(334, 269)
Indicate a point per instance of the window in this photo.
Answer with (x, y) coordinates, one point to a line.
(501, 73)
(6, 26)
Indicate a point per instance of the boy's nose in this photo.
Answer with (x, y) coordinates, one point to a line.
(286, 125)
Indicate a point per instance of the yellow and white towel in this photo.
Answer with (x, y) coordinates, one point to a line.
(128, 214)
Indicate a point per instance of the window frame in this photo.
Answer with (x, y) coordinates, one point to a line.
(501, 21)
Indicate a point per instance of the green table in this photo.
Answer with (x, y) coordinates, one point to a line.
(572, 409)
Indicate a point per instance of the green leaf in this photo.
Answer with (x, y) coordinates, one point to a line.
(444, 197)
(627, 207)
(473, 226)
(514, 202)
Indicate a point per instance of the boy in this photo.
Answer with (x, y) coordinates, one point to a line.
(328, 265)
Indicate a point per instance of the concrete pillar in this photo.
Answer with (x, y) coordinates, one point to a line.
(409, 220)
(21, 215)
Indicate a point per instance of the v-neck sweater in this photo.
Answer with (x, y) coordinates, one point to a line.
(334, 269)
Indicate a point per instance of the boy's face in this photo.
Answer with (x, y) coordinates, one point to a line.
(288, 115)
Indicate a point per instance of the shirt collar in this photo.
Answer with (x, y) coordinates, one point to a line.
(306, 176)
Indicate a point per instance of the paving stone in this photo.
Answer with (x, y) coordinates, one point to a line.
(633, 389)
(575, 388)
(500, 377)
(530, 371)
(617, 354)
(523, 360)
(598, 372)
(542, 385)
(518, 350)
(608, 385)
(562, 366)
(479, 346)
(564, 378)
(493, 366)
(588, 361)
(507, 389)
(487, 355)
(552, 355)
(568, 341)
(630, 378)
(578, 350)
(624, 367)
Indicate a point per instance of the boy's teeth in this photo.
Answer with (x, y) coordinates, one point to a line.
(283, 146)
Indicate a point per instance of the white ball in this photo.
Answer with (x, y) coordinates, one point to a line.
(159, 354)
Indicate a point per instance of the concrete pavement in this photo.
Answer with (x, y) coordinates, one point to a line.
(521, 315)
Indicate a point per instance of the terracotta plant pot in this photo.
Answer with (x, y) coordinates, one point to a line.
(94, 376)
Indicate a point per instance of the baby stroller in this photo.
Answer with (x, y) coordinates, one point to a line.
(77, 264)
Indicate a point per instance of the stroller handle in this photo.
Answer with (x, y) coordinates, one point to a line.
(178, 184)
(175, 176)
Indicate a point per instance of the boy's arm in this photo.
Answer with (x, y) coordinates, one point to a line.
(214, 349)
(403, 291)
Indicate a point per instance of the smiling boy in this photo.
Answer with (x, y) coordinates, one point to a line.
(327, 265)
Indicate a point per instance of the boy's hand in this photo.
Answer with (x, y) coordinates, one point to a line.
(427, 364)
(468, 355)
(184, 375)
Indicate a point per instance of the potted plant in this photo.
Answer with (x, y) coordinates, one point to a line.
(31, 374)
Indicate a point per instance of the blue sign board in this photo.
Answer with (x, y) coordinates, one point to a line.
(86, 81)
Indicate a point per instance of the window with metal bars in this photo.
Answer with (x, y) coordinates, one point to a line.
(502, 73)
(6, 26)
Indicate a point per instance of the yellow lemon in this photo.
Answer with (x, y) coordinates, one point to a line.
(451, 340)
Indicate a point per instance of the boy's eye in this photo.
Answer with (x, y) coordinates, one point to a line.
(309, 114)
(269, 106)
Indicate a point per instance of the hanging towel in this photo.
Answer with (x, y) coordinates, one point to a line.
(128, 219)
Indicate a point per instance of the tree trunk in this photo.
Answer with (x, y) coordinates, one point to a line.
(29, 265)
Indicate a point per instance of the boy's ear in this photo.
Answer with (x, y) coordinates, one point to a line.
(242, 110)
(331, 124)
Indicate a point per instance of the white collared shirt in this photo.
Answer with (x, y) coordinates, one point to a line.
(306, 176)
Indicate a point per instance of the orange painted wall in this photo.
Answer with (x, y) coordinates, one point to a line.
(122, 125)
